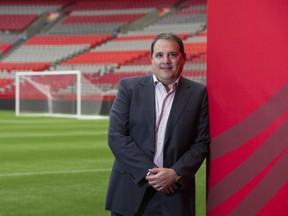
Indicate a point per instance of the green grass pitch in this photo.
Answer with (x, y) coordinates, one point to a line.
(58, 166)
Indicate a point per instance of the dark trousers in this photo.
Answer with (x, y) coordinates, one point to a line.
(150, 205)
(115, 214)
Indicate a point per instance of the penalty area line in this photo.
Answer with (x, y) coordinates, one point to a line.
(53, 172)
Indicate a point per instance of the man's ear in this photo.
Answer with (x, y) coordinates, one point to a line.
(184, 57)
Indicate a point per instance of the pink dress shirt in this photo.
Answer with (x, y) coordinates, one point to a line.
(163, 103)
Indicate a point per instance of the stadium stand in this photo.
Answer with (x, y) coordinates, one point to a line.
(105, 40)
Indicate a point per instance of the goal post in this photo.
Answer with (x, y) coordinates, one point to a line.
(57, 94)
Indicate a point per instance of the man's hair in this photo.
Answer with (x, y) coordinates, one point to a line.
(168, 36)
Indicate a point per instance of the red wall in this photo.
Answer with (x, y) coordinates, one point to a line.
(247, 79)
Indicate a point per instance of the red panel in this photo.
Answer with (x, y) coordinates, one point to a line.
(247, 79)
(278, 204)
(247, 46)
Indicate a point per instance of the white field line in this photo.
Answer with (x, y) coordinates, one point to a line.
(53, 172)
(51, 134)
(40, 122)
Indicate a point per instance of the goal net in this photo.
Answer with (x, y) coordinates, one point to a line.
(57, 94)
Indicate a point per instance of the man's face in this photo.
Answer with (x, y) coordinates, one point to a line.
(167, 61)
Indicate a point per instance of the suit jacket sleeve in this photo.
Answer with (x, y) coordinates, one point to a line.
(131, 158)
(193, 156)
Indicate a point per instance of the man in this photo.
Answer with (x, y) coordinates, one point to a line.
(159, 135)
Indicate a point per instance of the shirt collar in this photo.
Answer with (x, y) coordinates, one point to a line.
(156, 80)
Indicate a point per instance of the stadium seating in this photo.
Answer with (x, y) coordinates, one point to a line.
(113, 79)
(18, 15)
(16, 22)
(122, 4)
(4, 47)
(24, 66)
(99, 38)
(51, 49)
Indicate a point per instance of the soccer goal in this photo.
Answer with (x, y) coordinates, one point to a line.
(57, 94)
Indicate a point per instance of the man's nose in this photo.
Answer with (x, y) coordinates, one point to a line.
(166, 59)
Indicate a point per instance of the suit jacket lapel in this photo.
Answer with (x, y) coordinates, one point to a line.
(181, 97)
(147, 93)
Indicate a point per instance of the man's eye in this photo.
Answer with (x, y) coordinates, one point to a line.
(158, 55)
(173, 55)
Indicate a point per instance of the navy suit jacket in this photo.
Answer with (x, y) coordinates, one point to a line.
(131, 137)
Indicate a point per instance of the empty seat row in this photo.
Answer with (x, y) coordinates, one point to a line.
(27, 9)
(44, 53)
(106, 57)
(17, 22)
(194, 3)
(85, 68)
(183, 28)
(87, 29)
(112, 11)
(197, 39)
(34, 2)
(114, 78)
(118, 18)
(124, 45)
(59, 40)
(192, 11)
(194, 73)
(187, 18)
(5, 47)
(195, 48)
(4, 82)
(134, 68)
(24, 66)
(9, 37)
(120, 4)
